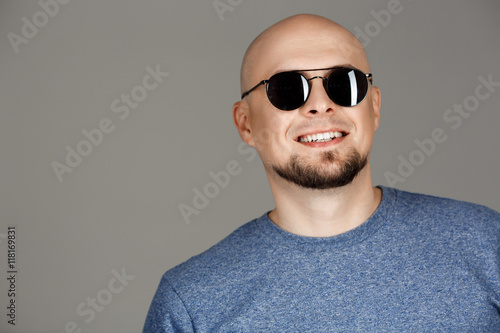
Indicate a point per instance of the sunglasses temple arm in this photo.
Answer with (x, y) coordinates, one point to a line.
(370, 77)
(256, 86)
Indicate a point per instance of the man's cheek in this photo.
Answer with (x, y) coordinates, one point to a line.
(266, 139)
(269, 131)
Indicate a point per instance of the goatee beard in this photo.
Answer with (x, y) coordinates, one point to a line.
(310, 176)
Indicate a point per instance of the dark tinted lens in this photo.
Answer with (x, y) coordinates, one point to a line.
(288, 90)
(347, 86)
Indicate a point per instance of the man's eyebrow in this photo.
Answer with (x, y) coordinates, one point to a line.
(324, 68)
(288, 69)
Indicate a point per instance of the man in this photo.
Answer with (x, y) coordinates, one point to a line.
(336, 254)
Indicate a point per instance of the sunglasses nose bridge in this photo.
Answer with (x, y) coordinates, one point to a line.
(325, 81)
(317, 77)
(319, 100)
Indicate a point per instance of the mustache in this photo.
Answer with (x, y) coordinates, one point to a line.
(323, 123)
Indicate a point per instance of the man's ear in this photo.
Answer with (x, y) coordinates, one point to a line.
(240, 118)
(376, 100)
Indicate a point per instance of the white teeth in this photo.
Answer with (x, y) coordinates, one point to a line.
(321, 137)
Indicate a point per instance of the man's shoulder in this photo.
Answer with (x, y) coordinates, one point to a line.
(441, 205)
(445, 212)
(228, 257)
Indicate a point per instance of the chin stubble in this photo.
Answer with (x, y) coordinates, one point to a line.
(306, 175)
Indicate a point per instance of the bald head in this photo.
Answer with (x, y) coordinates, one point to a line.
(300, 42)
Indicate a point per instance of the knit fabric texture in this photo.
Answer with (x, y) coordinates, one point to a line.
(418, 264)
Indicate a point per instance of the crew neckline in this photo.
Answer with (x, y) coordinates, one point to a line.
(280, 237)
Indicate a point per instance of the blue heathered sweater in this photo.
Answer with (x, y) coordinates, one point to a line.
(418, 264)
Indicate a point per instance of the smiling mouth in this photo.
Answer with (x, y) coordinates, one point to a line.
(321, 137)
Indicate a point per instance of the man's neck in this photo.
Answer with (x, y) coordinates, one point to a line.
(324, 213)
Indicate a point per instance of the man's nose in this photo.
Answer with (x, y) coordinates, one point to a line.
(318, 101)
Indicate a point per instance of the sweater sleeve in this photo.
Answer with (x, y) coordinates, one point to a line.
(167, 312)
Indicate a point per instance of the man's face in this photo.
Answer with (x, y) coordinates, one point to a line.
(278, 135)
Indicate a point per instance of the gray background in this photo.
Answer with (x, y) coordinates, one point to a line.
(119, 209)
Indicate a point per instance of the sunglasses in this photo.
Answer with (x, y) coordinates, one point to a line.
(289, 90)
